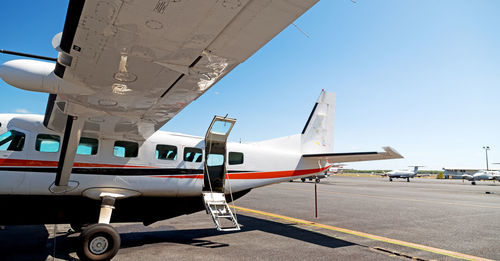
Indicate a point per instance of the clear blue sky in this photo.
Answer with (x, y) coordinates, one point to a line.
(422, 76)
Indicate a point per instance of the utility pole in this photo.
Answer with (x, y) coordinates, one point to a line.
(486, 148)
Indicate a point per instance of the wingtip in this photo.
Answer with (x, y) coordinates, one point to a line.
(392, 153)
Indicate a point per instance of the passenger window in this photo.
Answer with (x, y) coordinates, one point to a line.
(215, 160)
(12, 140)
(193, 154)
(47, 143)
(125, 149)
(235, 158)
(166, 152)
(87, 146)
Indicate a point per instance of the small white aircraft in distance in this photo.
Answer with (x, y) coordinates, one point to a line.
(403, 174)
(124, 69)
(482, 175)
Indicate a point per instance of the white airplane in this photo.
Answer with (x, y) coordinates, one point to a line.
(124, 69)
(403, 174)
(482, 175)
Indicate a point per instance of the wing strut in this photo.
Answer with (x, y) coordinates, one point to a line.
(71, 139)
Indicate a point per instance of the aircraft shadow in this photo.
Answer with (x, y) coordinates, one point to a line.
(32, 243)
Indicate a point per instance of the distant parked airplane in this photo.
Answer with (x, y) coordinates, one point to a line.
(403, 174)
(482, 175)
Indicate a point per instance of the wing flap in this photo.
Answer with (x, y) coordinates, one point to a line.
(388, 153)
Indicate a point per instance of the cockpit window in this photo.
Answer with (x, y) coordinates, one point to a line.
(12, 140)
(47, 143)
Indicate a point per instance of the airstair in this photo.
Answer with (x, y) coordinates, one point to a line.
(215, 172)
(217, 207)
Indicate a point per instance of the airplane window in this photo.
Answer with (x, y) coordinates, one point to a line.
(193, 154)
(125, 149)
(215, 160)
(87, 146)
(47, 143)
(221, 127)
(235, 158)
(166, 152)
(12, 140)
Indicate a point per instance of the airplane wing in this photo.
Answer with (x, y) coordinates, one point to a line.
(142, 62)
(389, 153)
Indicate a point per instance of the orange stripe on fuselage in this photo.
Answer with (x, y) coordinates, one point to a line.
(273, 174)
(256, 175)
(241, 175)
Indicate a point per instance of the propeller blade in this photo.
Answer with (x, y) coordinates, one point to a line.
(28, 55)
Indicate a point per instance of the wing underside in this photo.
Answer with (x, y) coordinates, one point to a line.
(142, 62)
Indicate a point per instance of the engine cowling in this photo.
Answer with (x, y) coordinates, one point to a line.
(37, 76)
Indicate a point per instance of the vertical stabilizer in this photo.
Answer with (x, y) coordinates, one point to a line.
(317, 136)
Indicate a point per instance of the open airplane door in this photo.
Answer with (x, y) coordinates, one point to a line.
(215, 154)
(214, 174)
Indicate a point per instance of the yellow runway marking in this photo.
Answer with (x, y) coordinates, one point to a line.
(366, 235)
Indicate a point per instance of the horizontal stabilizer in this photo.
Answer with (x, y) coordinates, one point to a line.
(389, 153)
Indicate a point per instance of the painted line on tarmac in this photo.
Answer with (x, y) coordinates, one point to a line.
(366, 235)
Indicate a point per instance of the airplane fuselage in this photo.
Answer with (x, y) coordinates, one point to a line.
(161, 179)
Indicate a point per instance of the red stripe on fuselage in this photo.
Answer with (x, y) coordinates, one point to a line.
(242, 175)
(256, 175)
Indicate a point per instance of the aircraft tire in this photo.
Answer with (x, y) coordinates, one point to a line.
(473, 183)
(98, 242)
(390, 179)
(407, 179)
(303, 179)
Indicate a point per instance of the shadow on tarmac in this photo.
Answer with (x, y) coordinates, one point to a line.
(33, 243)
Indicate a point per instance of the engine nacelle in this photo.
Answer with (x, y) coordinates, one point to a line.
(38, 76)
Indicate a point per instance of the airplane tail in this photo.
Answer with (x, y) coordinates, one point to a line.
(317, 135)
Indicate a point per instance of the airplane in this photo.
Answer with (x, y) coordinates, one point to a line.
(482, 175)
(334, 168)
(402, 174)
(124, 69)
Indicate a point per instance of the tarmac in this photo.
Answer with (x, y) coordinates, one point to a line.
(359, 218)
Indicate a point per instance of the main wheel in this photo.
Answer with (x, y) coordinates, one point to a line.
(390, 179)
(407, 179)
(303, 179)
(98, 242)
(473, 183)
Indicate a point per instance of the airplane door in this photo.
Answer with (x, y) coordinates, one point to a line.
(214, 170)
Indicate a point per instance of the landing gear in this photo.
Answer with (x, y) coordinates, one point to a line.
(78, 226)
(473, 183)
(303, 179)
(99, 241)
(390, 179)
(407, 179)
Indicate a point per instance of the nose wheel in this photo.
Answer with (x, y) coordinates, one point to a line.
(98, 242)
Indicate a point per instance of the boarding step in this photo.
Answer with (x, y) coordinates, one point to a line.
(217, 207)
